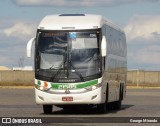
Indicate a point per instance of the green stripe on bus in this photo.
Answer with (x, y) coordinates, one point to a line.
(74, 86)
(55, 85)
(87, 84)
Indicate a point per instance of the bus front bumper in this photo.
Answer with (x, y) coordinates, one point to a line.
(96, 96)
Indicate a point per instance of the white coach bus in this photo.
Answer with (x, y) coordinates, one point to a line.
(80, 59)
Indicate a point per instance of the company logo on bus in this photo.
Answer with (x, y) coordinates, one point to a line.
(67, 80)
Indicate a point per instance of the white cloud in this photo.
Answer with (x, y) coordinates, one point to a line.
(149, 55)
(20, 30)
(11, 54)
(143, 28)
(5, 60)
(14, 36)
(143, 37)
(77, 3)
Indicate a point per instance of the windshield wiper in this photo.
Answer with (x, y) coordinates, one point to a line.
(54, 68)
(77, 72)
(54, 75)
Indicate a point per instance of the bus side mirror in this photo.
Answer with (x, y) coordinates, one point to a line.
(103, 46)
(29, 47)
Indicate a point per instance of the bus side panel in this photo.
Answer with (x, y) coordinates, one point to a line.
(115, 63)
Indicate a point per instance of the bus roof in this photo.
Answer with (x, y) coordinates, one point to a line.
(74, 22)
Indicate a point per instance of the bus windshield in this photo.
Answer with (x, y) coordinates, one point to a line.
(69, 54)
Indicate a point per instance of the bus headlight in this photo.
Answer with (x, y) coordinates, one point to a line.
(93, 87)
(44, 86)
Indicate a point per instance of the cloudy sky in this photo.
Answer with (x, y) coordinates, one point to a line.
(140, 20)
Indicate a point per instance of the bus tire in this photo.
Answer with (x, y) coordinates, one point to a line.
(117, 105)
(102, 108)
(121, 92)
(47, 109)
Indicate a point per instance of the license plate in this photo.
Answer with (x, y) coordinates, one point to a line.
(67, 98)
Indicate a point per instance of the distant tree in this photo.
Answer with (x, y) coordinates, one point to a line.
(21, 61)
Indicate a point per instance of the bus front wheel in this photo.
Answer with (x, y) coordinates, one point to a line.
(102, 108)
(47, 109)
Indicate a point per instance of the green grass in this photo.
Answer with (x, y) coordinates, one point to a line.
(16, 84)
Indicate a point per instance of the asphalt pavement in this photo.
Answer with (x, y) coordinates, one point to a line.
(19, 102)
